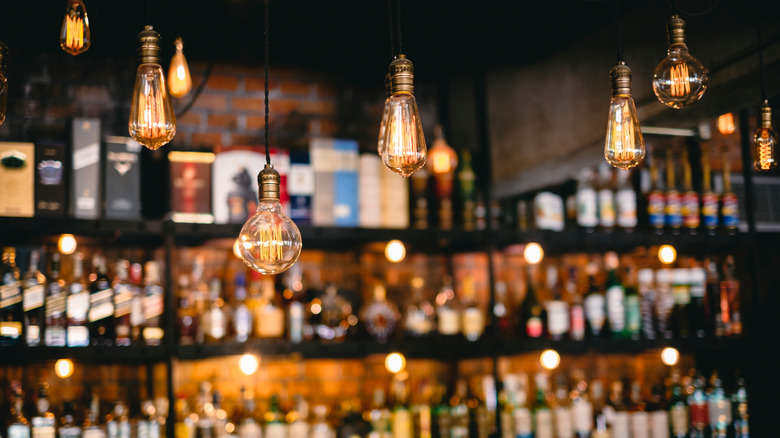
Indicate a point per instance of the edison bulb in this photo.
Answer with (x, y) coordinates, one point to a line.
(624, 147)
(269, 241)
(152, 121)
(179, 79)
(680, 79)
(442, 158)
(403, 147)
(3, 83)
(765, 142)
(74, 35)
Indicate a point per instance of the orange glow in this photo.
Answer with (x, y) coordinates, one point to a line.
(726, 124)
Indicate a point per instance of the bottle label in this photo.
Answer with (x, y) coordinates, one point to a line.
(10, 294)
(242, 322)
(34, 297)
(673, 209)
(582, 416)
(18, 431)
(587, 209)
(557, 317)
(563, 422)
(101, 304)
(594, 311)
(699, 415)
(544, 424)
(607, 208)
(137, 311)
(473, 323)
(655, 209)
(633, 314)
(522, 420)
(123, 298)
(720, 412)
(626, 208)
(679, 416)
(730, 211)
(577, 322)
(55, 304)
(33, 335)
(153, 334)
(275, 430)
(709, 209)
(659, 424)
(620, 425)
(533, 327)
(682, 294)
(270, 323)
(615, 308)
(78, 305)
(153, 302)
(296, 322)
(10, 329)
(690, 209)
(449, 323)
(78, 336)
(55, 337)
(640, 425)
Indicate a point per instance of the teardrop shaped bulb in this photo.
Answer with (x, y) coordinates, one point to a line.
(74, 35)
(179, 79)
(152, 121)
(624, 147)
(403, 147)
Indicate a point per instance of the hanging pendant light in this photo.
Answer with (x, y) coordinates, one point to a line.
(680, 79)
(74, 35)
(765, 137)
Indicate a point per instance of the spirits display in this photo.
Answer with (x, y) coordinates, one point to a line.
(101, 305)
(77, 305)
(44, 423)
(56, 296)
(34, 298)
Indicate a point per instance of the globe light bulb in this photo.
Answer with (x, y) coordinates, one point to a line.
(179, 79)
(74, 35)
(442, 158)
(624, 147)
(403, 147)
(3, 83)
(152, 121)
(680, 79)
(269, 241)
(765, 142)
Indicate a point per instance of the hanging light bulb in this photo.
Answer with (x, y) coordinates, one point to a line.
(3, 83)
(74, 35)
(625, 147)
(269, 241)
(179, 79)
(680, 79)
(765, 142)
(403, 147)
(442, 157)
(152, 121)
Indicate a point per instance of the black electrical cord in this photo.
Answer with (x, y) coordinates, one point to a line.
(390, 25)
(618, 46)
(198, 91)
(398, 25)
(149, 12)
(761, 61)
(678, 11)
(265, 32)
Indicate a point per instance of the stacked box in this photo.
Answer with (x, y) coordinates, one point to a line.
(17, 179)
(85, 176)
(191, 186)
(51, 189)
(345, 184)
(122, 176)
(300, 186)
(395, 200)
(370, 191)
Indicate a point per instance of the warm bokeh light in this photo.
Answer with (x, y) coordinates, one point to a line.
(67, 244)
(248, 364)
(395, 251)
(667, 254)
(395, 362)
(726, 124)
(63, 368)
(550, 359)
(670, 356)
(533, 253)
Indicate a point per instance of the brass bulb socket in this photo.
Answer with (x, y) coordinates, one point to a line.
(148, 46)
(388, 86)
(179, 44)
(766, 115)
(402, 75)
(620, 77)
(675, 30)
(269, 181)
(3, 57)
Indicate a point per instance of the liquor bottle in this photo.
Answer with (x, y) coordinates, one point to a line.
(123, 304)
(647, 299)
(118, 425)
(92, 427)
(44, 424)
(420, 318)
(275, 426)
(379, 416)
(269, 316)
(185, 419)
(531, 310)
(473, 319)
(699, 410)
(241, 323)
(740, 403)
(199, 293)
(595, 305)
(320, 427)
(522, 415)
(220, 415)
(659, 416)
(18, 426)
(333, 319)
(618, 411)
(459, 411)
(205, 426)
(401, 424)
(709, 199)
(678, 409)
(33, 299)
(730, 299)
(689, 206)
(298, 419)
(606, 198)
(557, 309)
(11, 306)
(601, 425)
(562, 410)
(587, 201)
(682, 299)
(215, 319)
(625, 202)
(656, 202)
(137, 317)
(576, 308)
(77, 305)
(581, 406)
(187, 317)
(664, 302)
(68, 427)
(447, 310)
(698, 308)
(639, 418)
(420, 209)
(56, 295)
(101, 305)
(466, 180)
(542, 415)
(480, 213)
(507, 403)
(380, 316)
(633, 324)
(673, 202)
(729, 210)
(153, 304)
(296, 309)
(719, 407)
(148, 424)
(615, 296)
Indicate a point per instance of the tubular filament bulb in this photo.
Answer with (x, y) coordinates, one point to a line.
(679, 80)
(75, 35)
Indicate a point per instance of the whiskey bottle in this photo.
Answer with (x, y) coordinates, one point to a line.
(101, 305)
(275, 425)
(44, 424)
(601, 425)
(56, 319)
(215, 319)
(247, 425)
(594, 304)
(638, 415)
(34, 298)
(295, 308)
(673, 205)
(11, 306)
(68, 427)
(606, 196)
(77, 305)
(137, 317)
(123, 303)
(730, 208)
(656, 203)
(625, 202)
(92, 427)
(380, 316)
(689, 206)
(587, 201)
(633, 324)
(153, 332)
(709, 199)
(18, 426)
(447, 310)
(459, 411)
(419, 320)
(678, 409)
(615, 296)
(118, 425)
(205, 426)
(531, 310)
(241, 323)
(466, 180)
(617, 409)
(557, 309)
(719, 407)
(187, 317)
(473, 319)
(682, 299)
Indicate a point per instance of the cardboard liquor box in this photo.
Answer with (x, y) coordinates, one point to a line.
(85, 168)
(395, 200)
(370, 191)
(234, 189)
(191, 186)
(122, 176)
(17, 179)
(300, 186)
(51, 188)
(345, 183)
(323, 163)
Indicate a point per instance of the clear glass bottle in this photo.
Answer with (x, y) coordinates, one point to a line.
(420, 318)
(187, 316)
(56, 296)
(502, 309)
(154, 305)
(18, 426)
(601, 427)
(615, 296)
(531, 310)
(719, 407)
(34, 298)
(205, 426)
(618, 411)
(319, 426)
(581, 406)
(459, 411)
(380, 316)
(625, 202)
(123, 303)
(298, 419)
(472, 317)
(606, 195)
(92, 427)
(679, 414)
(699, 410)
(241, 322)
(44, 425)
(562, 409)
(638, 415)
(247, 424)
(447, 310)
(331, 323)
(557, 308)
(587, 201)
(576, 307)
(658, 413)
(595, 304)
(521, 415)
(11, 306)
(77, 305)
(68, 427)
(215, 319)
(101, 305)
(295, 307)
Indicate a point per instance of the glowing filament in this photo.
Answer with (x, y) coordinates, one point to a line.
(271, 245)
(75, 33)
(679, 77)
(765, 147)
